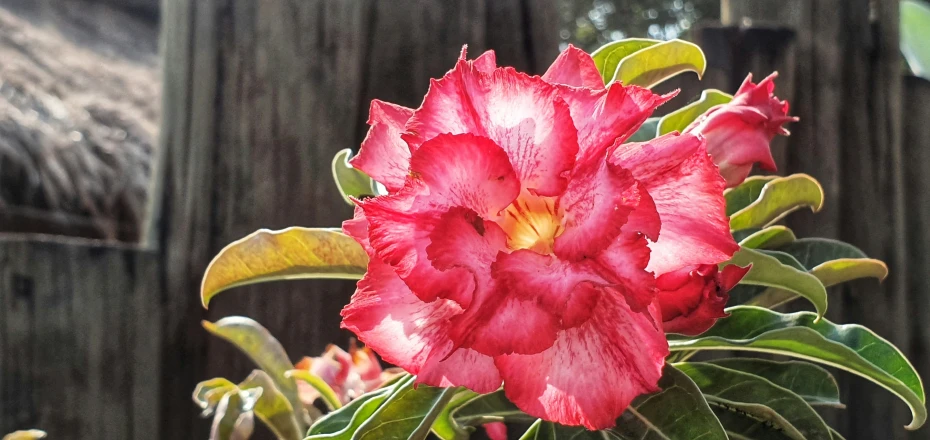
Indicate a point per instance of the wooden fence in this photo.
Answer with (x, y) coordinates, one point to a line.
(98, 341)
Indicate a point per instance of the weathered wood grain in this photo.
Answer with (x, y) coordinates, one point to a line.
(80, 335)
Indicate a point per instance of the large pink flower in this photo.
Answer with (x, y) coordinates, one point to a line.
(521, 238)
(740, 132)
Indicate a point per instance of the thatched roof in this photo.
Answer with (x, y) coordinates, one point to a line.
(79, 95)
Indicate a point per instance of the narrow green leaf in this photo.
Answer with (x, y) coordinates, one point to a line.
(553, 431)
(767, 270)
(608, 56)
(768, 238)
(209, 393)
(31, 434)
(679, 411)
(915, 36)
(753, 394)
(646, 132)
(408, 413)
(260, 346)
(849, 347)
(652, 65)
(445, 427)
(746, 193)
(533, 431)
(750, 422)
(289, 254)
(273, 408)
(831, 261)
(680, 119)
(326, 392)
(778, 198)
(813, 383)
(341, 424)
(351, 182)
(493, 407)
(234, 419)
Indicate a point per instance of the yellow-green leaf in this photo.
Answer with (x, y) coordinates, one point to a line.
(650, 66)
(260, 346)
(32, 434)
(768, 238)
(746, 193)
(680, 119)
(778, 198)
(292, 253)
(326, 392)
(209, 393)
(350, 180)
(273, 408)
(842, 270)
(234, 419)
(608, 56)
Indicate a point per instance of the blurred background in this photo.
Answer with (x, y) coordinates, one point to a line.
(139, 137)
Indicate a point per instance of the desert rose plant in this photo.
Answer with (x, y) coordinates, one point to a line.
(539, 252)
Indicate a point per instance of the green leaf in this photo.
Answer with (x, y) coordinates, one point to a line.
(533, 431)
(680, 119)
(756, 425)
(746, 193)
(768, 238)
(493, 407)
(814, 384)
(915, 36)
(831, 261)
(209, 393)
(646, 132)
(770, 271)
(351, 181)
(849, 347)
(330, 398)
(260, 346)
(778, 198)
(608, 56)
(289, 254)
(31, 434)
(652, 65)
(273, 408)
(341, 424)
(234, 419)
(678, 411)
(552, 431)
(403, 412)
(729, 388)
(445, 426)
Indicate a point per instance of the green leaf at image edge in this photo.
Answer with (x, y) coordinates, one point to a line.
(849, 347)
(752, 394)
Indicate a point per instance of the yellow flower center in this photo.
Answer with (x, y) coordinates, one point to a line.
(532, 222)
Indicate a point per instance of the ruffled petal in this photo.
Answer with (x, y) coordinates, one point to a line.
(523, 114)
(605, 117)
(624, 264)
(466, 170)
(574, 67)
(449, 171)
(412, 334)
(357, 228)
(599, 198)
(592, 372)
(384, 156)
(688, 194)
